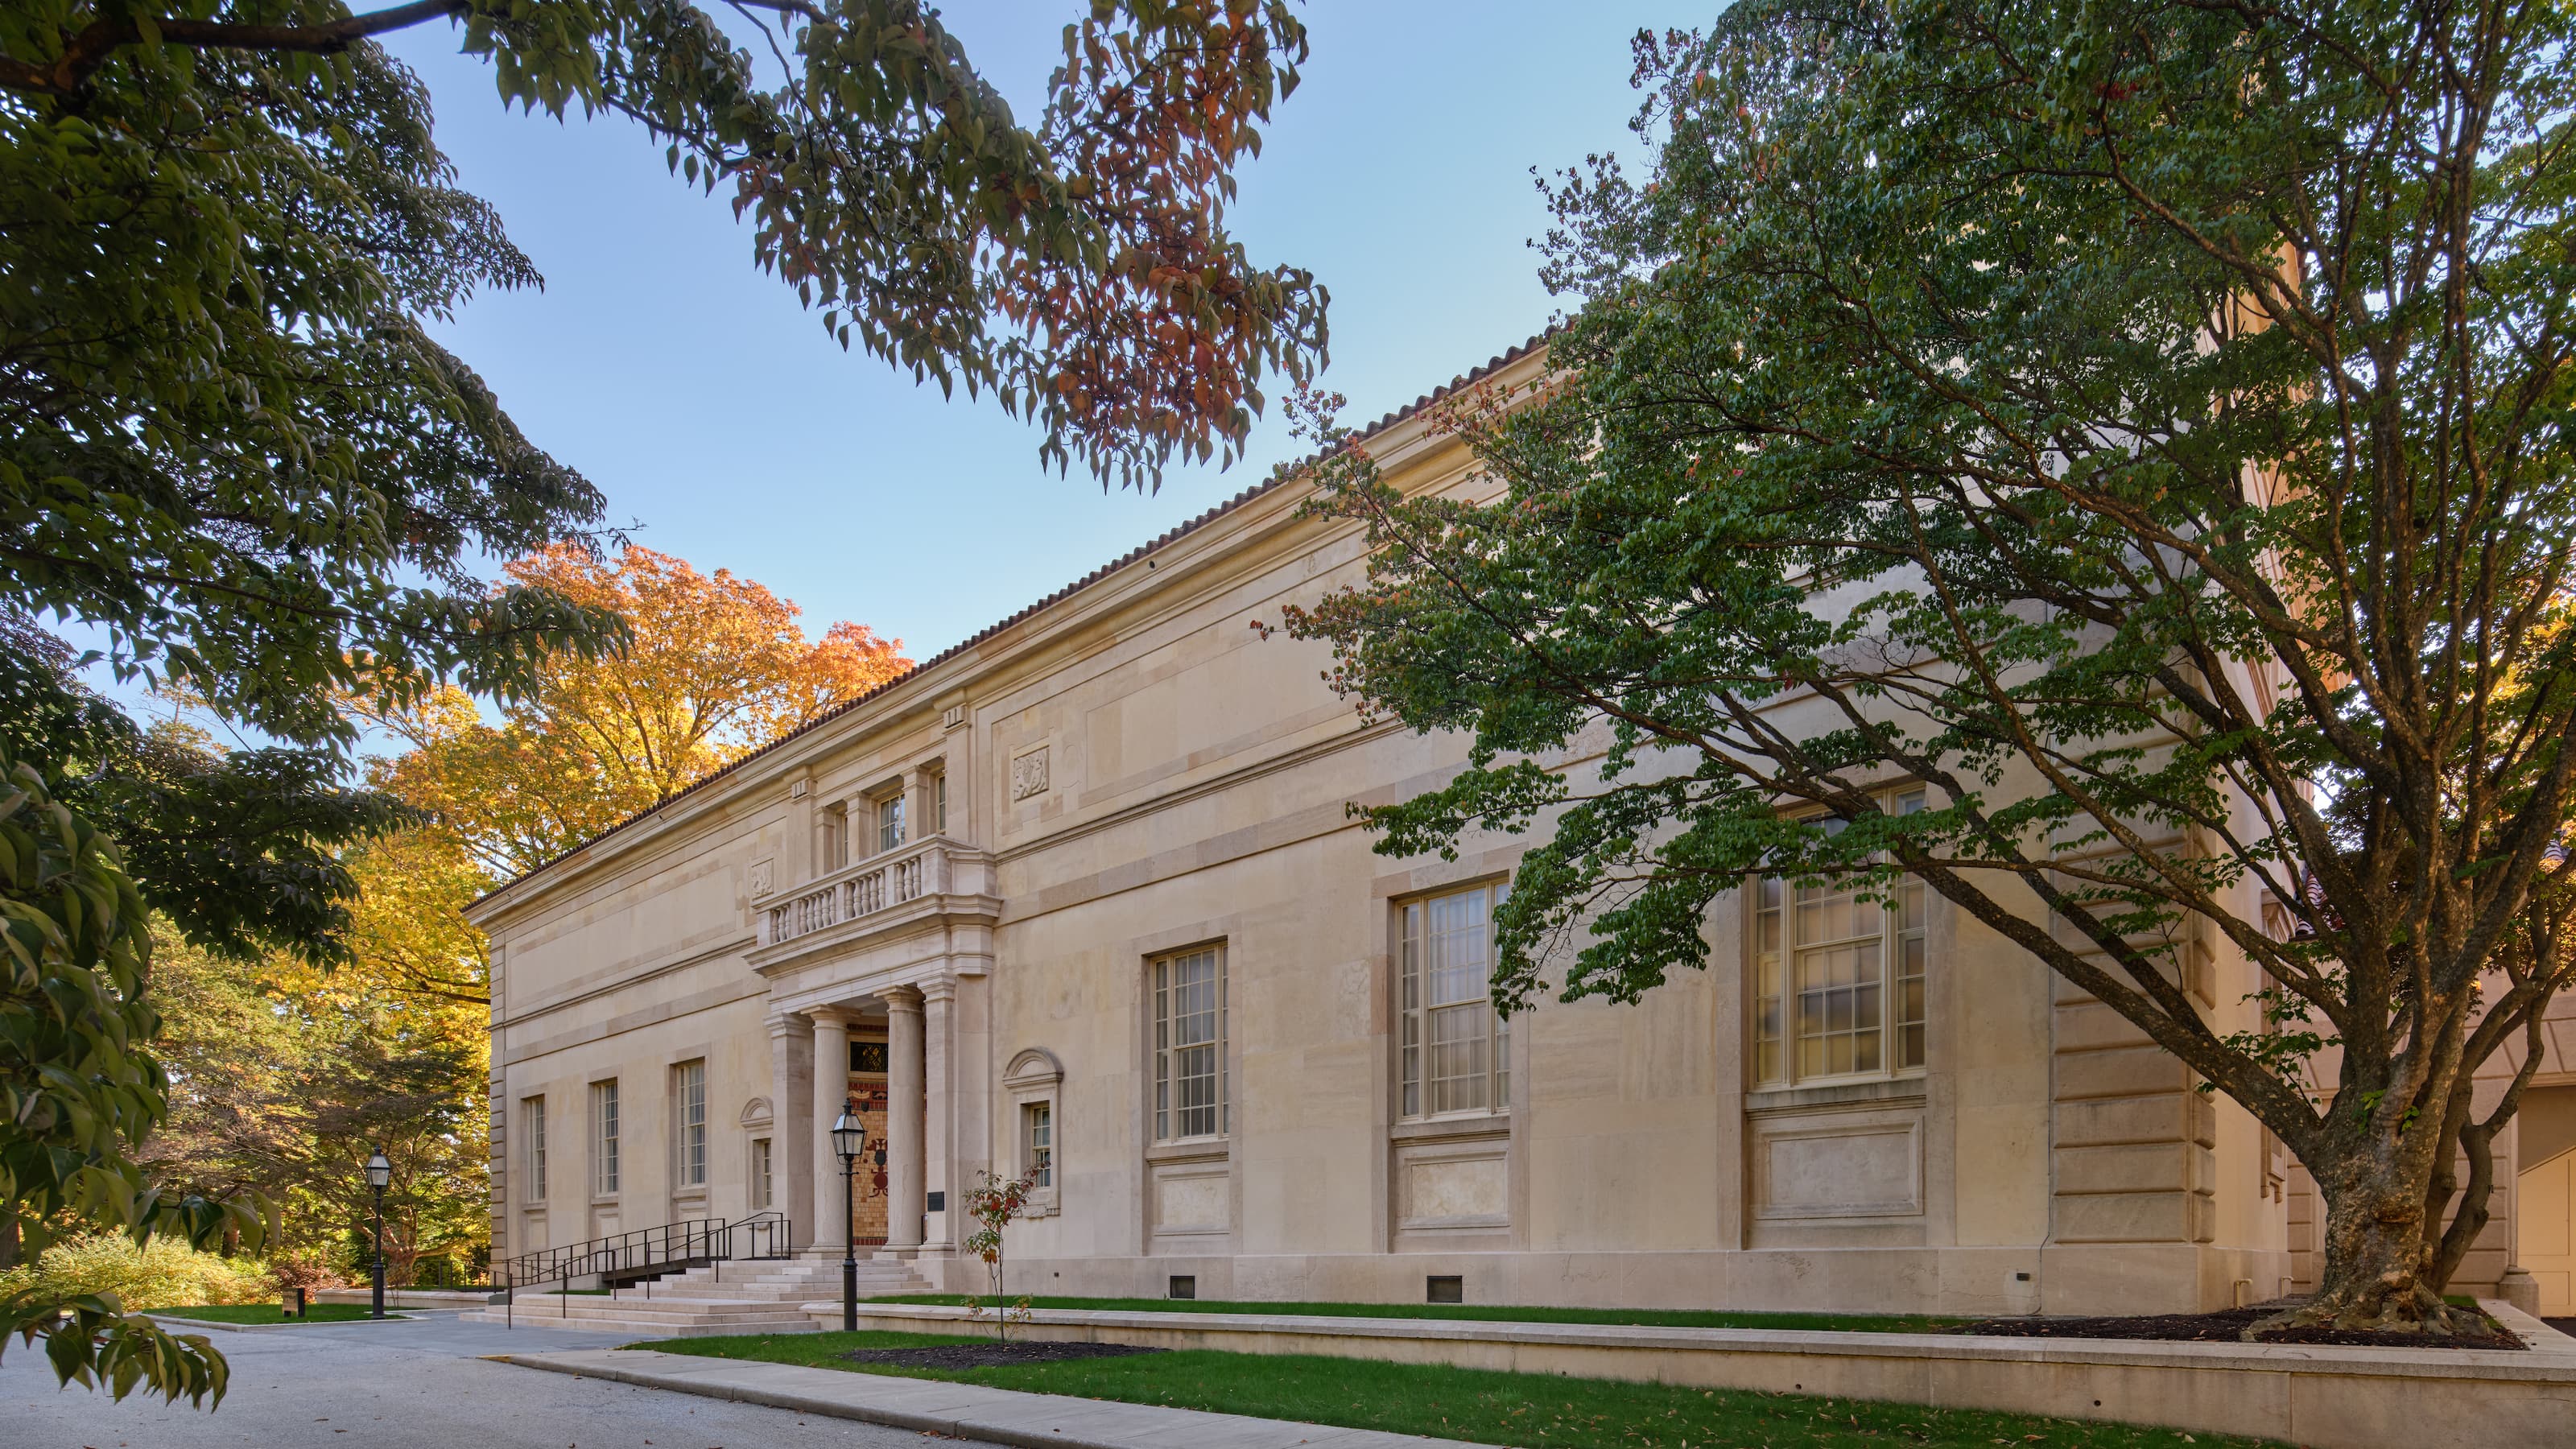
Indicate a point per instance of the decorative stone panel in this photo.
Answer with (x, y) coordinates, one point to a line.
(1838, 1165)
(1029, 774)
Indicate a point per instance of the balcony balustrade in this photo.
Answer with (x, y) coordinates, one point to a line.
(880, 883)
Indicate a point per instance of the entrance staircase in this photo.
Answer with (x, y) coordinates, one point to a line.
(713, 1298)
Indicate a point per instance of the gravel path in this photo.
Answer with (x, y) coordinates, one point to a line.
(415, 1385)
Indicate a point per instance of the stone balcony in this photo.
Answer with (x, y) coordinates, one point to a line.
(935, 878)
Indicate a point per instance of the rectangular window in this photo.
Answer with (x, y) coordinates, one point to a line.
(1456, 1047)
(603, 1138)
(1189, 1044)
(689, 1116)
(1838, 987)
(532, 1125)
(762, 1194)
(1037, 1143)
(889, 822)
(939, 803)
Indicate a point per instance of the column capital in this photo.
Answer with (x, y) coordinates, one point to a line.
(903, 1000)
(941, 989)
(788, 1023)
(844, 1016)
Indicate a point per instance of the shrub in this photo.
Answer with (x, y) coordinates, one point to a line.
(166, 1273)
(311, 1272)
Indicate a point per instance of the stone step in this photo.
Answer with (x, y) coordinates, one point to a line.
(654, 1307)
(786, 1278)
(639, 1327)
(832, 1280)
(789, 1283)
(833, 1274)
(577, 1310)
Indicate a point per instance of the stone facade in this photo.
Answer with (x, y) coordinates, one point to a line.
(1086, 887)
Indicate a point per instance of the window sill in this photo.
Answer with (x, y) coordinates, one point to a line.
(1190, 1149)
(1908, 1089)
(1442, 1129)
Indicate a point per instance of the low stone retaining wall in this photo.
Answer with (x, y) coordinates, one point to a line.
(2329, 1398)
(406, 1297)
(176, 1323)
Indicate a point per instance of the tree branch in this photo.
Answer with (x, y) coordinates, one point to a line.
(91, 48)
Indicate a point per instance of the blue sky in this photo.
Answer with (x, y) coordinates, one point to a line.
(712, 411)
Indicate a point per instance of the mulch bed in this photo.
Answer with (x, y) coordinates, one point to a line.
(2226, 1327)
(990, 1355)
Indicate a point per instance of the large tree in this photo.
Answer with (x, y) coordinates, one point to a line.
(230, 446)
(283, 1078)
(2138, 424)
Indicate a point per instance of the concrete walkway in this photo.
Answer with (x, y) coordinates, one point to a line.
(426, 1383)
(965, 1411)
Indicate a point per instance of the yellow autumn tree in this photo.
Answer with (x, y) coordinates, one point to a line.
(715, 667)
(293, 1073)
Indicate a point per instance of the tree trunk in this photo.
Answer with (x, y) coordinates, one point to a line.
(2380, 1269)
(2451, 1247)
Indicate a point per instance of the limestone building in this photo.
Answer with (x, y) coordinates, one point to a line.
(1080, 897)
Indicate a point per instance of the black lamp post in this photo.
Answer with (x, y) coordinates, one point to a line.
(848, 1139)
(379, 1172)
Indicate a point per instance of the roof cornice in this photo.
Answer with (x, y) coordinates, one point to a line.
(936, 675)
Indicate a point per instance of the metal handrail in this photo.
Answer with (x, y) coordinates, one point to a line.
(763, 1236)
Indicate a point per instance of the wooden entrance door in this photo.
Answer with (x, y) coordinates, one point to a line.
(867, 1098)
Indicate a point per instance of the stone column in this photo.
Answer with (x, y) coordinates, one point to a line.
(791, 1114)
(904, 1090)
(970, 1088)
(939, 1061)
(831, 1094)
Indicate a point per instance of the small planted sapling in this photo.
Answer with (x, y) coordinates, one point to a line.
(995, 1203)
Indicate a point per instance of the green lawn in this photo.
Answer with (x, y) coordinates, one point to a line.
(1494, 1313)
(1540, 1411)
(268, 1313)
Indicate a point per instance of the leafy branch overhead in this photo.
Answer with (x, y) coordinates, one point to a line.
(1078, 267)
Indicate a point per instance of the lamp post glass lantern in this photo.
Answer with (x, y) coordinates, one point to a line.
(379, 1173)
(849, 1138)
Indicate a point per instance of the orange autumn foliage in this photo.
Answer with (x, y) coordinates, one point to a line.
(715, 667)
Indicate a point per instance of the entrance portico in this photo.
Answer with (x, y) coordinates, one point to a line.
(926, 1144)
(894, 949)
